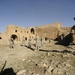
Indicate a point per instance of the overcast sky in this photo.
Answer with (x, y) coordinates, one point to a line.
(31, 13)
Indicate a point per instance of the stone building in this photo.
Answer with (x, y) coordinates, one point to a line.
(17, 33)
(49, 30)
(46, 31)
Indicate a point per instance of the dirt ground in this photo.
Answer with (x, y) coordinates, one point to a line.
(51, 59)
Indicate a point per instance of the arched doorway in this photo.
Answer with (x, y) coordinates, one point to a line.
(32, 31)
(14, 37)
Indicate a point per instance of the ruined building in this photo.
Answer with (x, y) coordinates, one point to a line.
(17, 33)
(46, 31)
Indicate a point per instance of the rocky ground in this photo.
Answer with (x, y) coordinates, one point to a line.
(51, 59)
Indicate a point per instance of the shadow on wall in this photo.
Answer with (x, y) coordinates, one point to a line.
(66, 40)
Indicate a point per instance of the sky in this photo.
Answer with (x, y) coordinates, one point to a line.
(31, 13)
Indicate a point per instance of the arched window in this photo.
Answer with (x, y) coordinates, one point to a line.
(32, 31)
(25, 38)
(15, 30)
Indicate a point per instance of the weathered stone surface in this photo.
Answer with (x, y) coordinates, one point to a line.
(73, 38)
(22, 72)
(50, 69)
(51, 31)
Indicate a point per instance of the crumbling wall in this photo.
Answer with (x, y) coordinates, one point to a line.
(20, 32)
(52, 31)
(17, 33)
(49, 30)
(3, 39)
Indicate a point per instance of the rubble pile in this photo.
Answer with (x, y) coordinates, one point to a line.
(49, 64)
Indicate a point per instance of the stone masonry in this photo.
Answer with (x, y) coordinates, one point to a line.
(46, 31)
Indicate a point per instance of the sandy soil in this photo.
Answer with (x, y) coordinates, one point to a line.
(19, 57)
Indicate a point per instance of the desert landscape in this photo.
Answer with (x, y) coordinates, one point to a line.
(51, 59)
(37, 37)
(55, 57)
